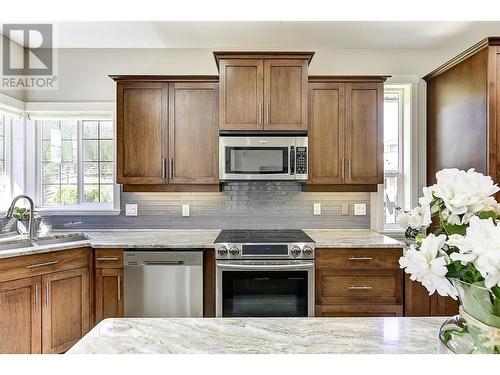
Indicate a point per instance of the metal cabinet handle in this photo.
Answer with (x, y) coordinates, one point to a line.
(47, 295)
(171, 168)
(360, 258)
(260, 112)
(349, 166)
(107, 259)
(42, 264)
(267, 113)
(163, 168)
(36, 297)
(119, 288)
(342, 174)
(359, 287)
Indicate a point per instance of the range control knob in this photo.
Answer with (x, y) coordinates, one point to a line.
(222, 251)
(234, 251)
(295, 251)
(307, 250)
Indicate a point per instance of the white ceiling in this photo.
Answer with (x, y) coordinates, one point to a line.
(272, 35)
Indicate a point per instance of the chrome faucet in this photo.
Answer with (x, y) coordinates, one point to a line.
(31, 226)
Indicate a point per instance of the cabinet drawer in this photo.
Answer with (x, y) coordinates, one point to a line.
(359, 258)
(358, 310)
(338, 287)
(39, 264)
(109, 258)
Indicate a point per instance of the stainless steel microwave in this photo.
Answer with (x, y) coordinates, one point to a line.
(262, 158)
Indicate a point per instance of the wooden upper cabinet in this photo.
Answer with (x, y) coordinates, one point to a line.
(326, 133)
(141, 132)
(193, 133)
(20, 316)
(364, 133)
(285, 94)
(241, 94)
(263, 91)
(65, 309)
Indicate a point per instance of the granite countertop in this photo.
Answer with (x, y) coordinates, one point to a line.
(263, 336)
(194, 238)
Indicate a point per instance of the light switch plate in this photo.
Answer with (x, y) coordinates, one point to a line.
(360, 209)
(345, 209)
(130, 210)
(185, 210)
(317, 208)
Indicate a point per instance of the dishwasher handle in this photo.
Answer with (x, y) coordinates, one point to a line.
(163, 263)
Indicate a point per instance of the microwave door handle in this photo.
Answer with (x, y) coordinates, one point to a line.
(292, 160)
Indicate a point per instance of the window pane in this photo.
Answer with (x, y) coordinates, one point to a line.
(106, 151)
(90, 129)
(69, 173)
(50, 195)
(391, 134)
(106, 173)
(69, 194)
(68, 129)
(91, 193)
(69, 151)
(47, 127)
(50, 173)
(90, 151)
(390, 199)
(106, 195)
(106, 130)
(90, 172)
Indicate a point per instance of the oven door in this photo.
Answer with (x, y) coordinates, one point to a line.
(265, 288)
(256, 158)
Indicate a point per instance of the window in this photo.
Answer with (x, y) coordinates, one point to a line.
(5, 122)
(393, 154)
(76, 166)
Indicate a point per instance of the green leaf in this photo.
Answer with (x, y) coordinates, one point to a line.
(487, 215)
(454, 229)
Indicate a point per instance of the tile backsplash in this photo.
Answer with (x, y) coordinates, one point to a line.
(240, 205)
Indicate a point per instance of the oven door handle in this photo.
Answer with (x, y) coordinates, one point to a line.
(259, 267)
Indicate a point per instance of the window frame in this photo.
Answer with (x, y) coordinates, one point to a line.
(8, 121)
(82, 208)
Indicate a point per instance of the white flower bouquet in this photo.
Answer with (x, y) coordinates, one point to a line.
(462, 256)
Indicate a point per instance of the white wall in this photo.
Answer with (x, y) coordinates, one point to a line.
(83, 73)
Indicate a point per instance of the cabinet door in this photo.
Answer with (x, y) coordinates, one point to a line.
(364, 133)
(65, 309)
(20, 316)
(326, 133)
(285, 94)
(141, 133)
(193, 133)
(241, 94)
(109, 293)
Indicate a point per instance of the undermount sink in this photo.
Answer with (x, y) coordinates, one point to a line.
(16, 244)
(42, 241)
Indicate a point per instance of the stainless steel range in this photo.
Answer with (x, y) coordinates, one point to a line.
(264, 273)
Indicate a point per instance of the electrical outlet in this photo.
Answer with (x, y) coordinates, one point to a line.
(345, 209)
(360, 209)
(130, 210)
(317, 208)
(185, 210)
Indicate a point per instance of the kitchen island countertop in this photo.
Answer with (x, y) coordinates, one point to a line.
(263, 336)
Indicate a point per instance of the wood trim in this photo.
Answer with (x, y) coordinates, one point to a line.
(342, 79)
(371, 188)
(166, 78)
(209, 283)
(358, 310)
(493, 109)
(461, 57)
(195, 188)
(218, 55)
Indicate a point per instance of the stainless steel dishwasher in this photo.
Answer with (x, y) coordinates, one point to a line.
(163, 283)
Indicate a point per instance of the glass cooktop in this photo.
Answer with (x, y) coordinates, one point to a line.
(263, 236)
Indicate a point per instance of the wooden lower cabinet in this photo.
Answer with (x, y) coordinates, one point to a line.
(20, 316)
(358, 282)
(45, 301)
(65, 309)
(108, 294)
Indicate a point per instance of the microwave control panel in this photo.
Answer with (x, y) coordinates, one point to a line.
(301, 160)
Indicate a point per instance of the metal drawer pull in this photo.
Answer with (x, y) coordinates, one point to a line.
(360, 258)
(260, 112)
(163, 171)
(42, 264)
(47, 295)
(119, 288)
(107, 259)
(36, 297)
(359, 287)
